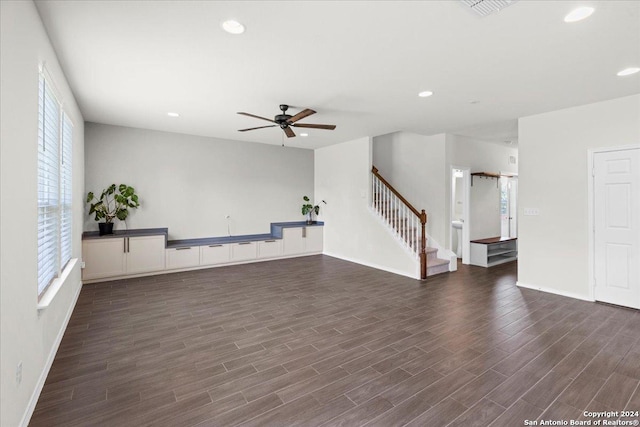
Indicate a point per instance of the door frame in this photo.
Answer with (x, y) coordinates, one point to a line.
(466, 198)
(591, 230)
(509, 179)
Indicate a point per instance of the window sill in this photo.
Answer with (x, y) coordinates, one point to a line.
(52, 290)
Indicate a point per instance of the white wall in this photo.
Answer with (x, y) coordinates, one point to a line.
(481, 156)
(189, 183)
(352, 232)
(25, 334)
(415, 165)
(553, 247)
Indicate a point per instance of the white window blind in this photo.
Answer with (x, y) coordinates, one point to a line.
(55, 138)
(65, 191)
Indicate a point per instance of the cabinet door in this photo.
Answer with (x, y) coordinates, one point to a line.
(313, 240)
(243, 251)
(270, 249)
(292, 241)
(183, 257)
(103, 258)
(214, 254)
(145, 254)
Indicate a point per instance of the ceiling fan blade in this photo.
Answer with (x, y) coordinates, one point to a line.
(257, 117)
(313, 126)
(289, 132)
(301, 115)
(260, 127)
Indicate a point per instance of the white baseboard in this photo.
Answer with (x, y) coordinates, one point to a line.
(377, 267)
(554, 291)
(47, 367)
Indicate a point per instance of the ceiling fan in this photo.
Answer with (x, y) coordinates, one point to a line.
(286, 121)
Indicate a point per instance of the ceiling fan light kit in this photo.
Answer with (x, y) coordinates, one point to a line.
(286, 121)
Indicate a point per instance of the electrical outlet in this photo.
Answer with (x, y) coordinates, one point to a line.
(19, 373)
(82, 265)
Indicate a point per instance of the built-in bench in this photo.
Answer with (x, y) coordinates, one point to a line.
(140, 252)
(493, 251)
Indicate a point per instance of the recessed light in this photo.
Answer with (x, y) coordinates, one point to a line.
(628, 71)
(425, 94)
(304, 134)
(173, 114)
(233, 27)
(579, 14)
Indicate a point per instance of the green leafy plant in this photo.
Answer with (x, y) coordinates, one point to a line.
(308, 207)
(113, 204)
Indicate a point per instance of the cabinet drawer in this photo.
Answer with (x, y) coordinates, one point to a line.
(243, 251)
(183, 257)
(214, 254)
(270, 249)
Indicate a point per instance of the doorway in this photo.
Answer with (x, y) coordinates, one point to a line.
(615, 220)
(509, 206)
(459, 212)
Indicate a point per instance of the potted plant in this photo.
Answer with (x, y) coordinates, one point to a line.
(111, 205)
(308, 209)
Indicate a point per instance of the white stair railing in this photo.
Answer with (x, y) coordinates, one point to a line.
(397, 214)
(406, 221)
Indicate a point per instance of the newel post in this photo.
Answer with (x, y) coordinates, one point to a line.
(423, 246)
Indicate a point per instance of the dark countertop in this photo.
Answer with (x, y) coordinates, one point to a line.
(276, 227)
(276, 233)
(206, 241)
(136, 232)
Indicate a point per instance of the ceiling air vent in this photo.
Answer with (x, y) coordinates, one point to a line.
(487, 7)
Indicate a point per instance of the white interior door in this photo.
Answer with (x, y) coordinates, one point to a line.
(617, 227)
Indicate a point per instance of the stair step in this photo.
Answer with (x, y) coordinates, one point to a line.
(437, 266)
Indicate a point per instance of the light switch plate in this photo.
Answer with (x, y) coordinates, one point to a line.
(532, 211)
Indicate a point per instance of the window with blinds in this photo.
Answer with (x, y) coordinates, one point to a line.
(55, 139)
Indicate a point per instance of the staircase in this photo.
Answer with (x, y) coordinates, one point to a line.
(407, 223)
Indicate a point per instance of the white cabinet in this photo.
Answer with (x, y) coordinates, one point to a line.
(493, 251)
(183, 257)
(292, 241)
(300, 240)
(243, 251)
(312, 239)
(119, 256)
(103, 258)
(145, 254)
(214, 254)
(270, 248)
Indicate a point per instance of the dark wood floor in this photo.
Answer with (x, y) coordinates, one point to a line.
(318, 341)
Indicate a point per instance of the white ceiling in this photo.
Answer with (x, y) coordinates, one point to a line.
(359, 64)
